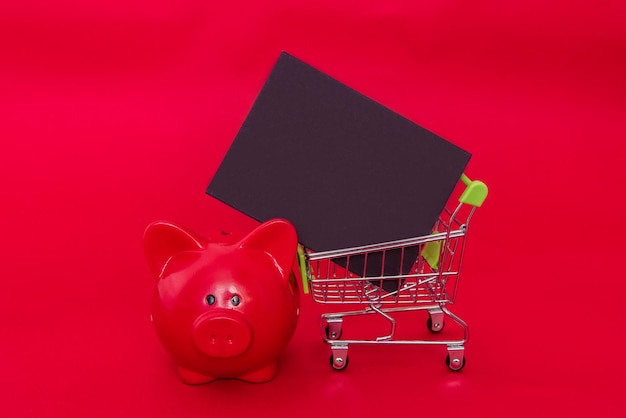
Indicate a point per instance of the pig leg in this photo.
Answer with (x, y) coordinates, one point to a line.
(264, 374)
(193, 378)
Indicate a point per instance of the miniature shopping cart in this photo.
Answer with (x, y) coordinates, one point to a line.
(426, 278)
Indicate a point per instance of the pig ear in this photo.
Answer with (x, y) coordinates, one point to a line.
(163, 240)
(278, 239)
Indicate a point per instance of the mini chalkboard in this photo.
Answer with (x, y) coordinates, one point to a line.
(345, 170)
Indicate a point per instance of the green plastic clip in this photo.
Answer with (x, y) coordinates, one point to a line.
(431, 252)
(303, 268)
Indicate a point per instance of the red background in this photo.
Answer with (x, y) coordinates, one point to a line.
(116, 114)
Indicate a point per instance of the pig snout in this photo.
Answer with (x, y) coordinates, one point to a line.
(225, 334)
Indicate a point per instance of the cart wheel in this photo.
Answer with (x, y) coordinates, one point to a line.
(338, 362)
(334, 335)
(455, 367)
(436, 327)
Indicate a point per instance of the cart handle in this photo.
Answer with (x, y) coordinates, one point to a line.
(475, 192)
(302, 265)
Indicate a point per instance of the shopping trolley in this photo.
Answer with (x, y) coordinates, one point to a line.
(425, 273)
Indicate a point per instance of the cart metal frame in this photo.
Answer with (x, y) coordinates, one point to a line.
(429, 285)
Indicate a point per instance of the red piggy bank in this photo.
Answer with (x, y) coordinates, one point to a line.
(224, 307)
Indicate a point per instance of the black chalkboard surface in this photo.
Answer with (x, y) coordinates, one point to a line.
(345, 170)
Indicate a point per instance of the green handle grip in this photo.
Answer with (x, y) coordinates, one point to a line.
(475, 192)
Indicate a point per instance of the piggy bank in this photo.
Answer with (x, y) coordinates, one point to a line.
(224, 306)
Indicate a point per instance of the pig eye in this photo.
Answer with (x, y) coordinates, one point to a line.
(235, 300)
(210, 299)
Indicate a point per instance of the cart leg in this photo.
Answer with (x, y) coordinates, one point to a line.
(392, 323)
(339, 356)
(456, 358)
(435, 320)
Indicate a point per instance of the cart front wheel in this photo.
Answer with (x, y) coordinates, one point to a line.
(456, 365)
(334, 334)
(338, 362)
(435, 327)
